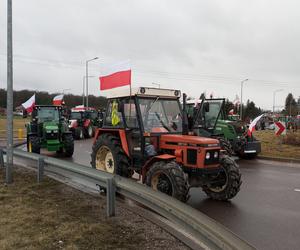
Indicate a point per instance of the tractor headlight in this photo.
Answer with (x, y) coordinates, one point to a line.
(216, 154)
(207, 155)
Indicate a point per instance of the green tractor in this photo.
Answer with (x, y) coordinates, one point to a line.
(48, 129)
(209, 119)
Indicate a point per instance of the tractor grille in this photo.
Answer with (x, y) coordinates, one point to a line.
(212, 159)
(51, 136)
(192, 156)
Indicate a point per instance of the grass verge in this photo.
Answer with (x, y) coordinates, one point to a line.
(51, 215)
(273, 146)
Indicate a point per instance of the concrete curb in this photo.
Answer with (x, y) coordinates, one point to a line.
(280, 159)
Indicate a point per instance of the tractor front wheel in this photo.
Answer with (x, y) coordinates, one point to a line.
(108, 155)
(168, 178)
(226, 184)
(68, 145)
(33, 144)
(89, 132)
(225, 145)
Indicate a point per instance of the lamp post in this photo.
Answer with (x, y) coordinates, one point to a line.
(9, 102)
(274, 93)
(87, 78)
(83, 87)
(242, 84)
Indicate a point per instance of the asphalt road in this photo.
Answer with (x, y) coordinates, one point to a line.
(266, 210)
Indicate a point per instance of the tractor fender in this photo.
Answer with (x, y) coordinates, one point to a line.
(120, 133)
(31, 133)
(149, 163)
(87, 123)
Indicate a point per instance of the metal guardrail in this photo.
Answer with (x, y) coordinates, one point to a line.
(206, 232)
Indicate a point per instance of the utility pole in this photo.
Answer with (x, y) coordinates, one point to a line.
(9, 100)
(87, 78)
(241, 111)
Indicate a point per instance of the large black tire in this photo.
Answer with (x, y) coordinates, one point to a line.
(78, 133)
(89, 132)
(33, 144)
(68, 145)
(226, 145)
(108, 155)
(229, 181)
(169, 178)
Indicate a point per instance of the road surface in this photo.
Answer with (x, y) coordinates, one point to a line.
(266, 210)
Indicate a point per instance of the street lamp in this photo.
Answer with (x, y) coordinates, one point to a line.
(87, 78)
(274, 92)
(83, 87)
(242, 84)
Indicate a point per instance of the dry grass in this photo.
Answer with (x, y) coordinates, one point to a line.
(275, 146)
(19, 123)
(51, 215)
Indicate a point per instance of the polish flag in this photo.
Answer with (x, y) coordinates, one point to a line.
(251, 128)
(58, 100)
(117, 75)
(29, 104)
(231, 112)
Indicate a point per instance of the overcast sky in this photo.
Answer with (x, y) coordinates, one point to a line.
(194, 46)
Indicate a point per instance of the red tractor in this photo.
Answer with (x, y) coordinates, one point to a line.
(146, 133)
(82, 122)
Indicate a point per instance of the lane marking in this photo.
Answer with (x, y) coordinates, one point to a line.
(297, 189)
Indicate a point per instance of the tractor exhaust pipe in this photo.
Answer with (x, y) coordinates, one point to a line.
(185, 128)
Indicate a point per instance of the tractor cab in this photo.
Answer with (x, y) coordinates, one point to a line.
(144, 132)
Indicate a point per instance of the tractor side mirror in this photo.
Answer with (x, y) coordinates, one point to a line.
(206, 107)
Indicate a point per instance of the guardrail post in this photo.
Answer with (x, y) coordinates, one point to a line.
(110, 197)
(40, 169)
(1, 159)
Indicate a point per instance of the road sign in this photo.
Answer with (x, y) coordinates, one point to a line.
(280, 128)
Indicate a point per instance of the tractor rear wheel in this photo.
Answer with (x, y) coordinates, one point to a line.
(108, 155)
(78, 132)
(33, 144)
(226, 184)
(68, 145)
(168, 178)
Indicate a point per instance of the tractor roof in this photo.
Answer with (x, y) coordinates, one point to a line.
(47, 106)
(144, 92)
(82, 109)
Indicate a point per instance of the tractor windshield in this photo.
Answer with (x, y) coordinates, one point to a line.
(45, 114)
(75, 116)
(161, 115)
(210, 112)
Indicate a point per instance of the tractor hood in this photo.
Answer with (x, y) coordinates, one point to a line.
(189, 139)
(50, 126)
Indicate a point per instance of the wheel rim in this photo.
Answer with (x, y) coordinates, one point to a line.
(221, 188)
(90, 131)
(161, 182)
(105, 160)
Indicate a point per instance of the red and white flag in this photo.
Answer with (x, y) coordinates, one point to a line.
(29, 104)
(231, 112)
(117, 75)
(253, 123)
(58, 100)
